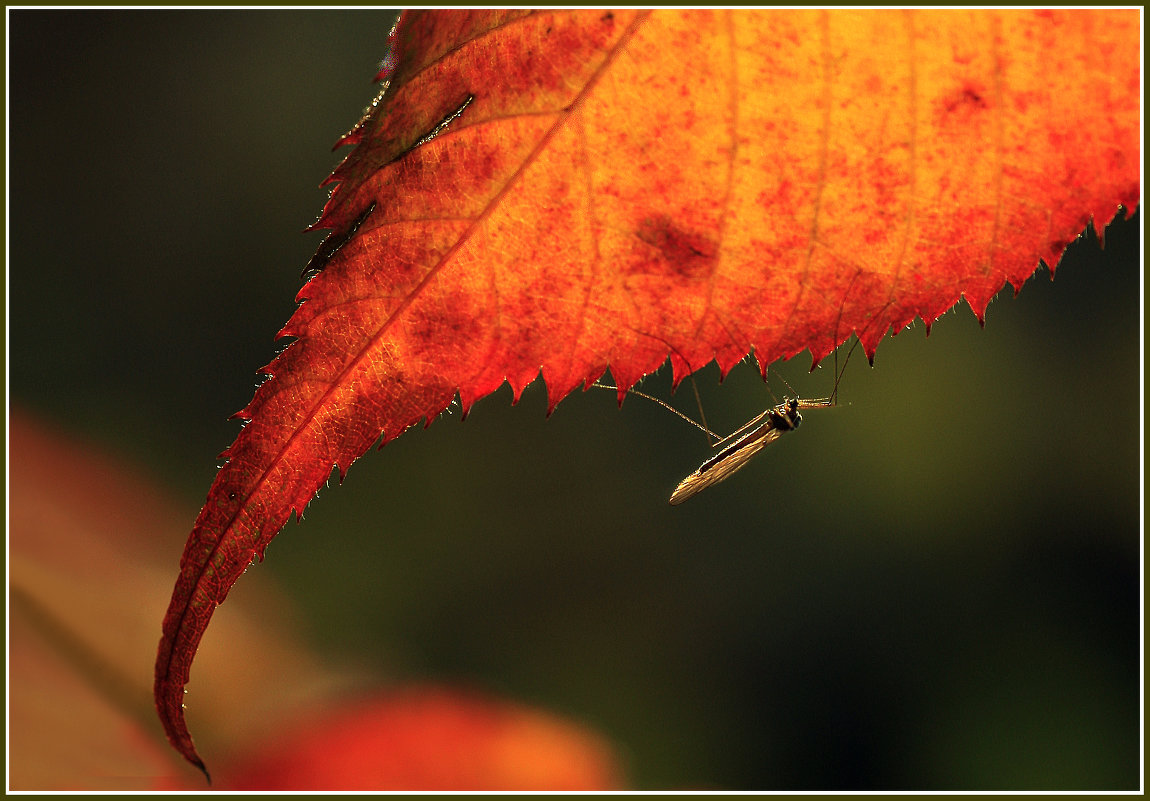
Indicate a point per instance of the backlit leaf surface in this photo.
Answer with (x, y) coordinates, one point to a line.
(567, 191)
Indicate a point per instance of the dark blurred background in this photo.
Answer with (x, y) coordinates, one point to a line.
(935, 585)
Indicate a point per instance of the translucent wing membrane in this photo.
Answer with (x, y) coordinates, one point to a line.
(779, 420)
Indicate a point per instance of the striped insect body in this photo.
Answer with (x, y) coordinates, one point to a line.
(736, 450)
(759, 433)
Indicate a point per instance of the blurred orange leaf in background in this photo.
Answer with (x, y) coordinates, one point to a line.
(88, 577)
(431, 739)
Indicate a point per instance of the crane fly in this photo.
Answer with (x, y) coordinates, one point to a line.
(752, 438)
(748, 440)
(763, 430)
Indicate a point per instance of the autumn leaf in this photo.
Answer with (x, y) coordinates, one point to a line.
(561, 192)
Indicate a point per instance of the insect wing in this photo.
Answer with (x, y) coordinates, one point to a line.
(724, 463)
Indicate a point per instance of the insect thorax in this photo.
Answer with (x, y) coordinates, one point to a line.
(786, 417)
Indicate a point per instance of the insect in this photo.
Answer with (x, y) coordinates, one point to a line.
(748, 440)
(764, 429)
(759, 433)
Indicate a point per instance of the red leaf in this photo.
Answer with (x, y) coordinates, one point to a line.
(571, 190)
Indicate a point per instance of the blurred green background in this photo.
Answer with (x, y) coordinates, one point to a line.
(933, 586)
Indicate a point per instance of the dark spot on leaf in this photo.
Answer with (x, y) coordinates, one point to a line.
(689, 253)
(967, 99)
(972, 97)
